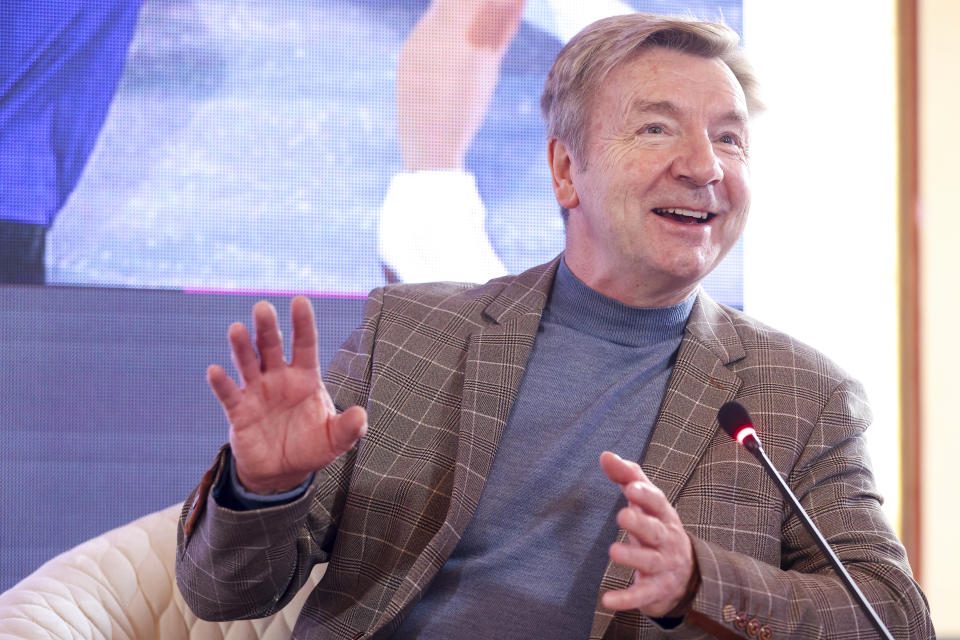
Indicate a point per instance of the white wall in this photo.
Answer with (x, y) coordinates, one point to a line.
(821, 245)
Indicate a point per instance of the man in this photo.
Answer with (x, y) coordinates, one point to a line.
(450, 479)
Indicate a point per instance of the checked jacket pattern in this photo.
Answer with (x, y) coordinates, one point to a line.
(438, 367)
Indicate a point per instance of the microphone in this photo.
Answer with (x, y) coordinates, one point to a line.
(735, 420)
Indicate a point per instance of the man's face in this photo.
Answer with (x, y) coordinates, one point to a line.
(663, 192)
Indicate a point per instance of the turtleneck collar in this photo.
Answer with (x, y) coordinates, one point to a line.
(575, 305)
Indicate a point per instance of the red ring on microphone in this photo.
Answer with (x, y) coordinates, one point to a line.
(746, 431)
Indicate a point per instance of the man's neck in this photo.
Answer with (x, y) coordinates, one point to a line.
(633, 289)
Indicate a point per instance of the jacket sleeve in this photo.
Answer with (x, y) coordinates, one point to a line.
(249, 564)
(804, 597)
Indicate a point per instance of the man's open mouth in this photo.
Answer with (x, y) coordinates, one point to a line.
(688, 216)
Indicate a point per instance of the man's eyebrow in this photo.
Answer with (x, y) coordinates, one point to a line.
(654, 106)
(736, 117)
(641, 106)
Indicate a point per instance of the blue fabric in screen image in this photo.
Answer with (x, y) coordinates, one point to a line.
(59, 66)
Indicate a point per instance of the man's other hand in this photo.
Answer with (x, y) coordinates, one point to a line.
(658, 549)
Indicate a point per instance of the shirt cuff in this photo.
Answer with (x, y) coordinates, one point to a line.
(232, 495)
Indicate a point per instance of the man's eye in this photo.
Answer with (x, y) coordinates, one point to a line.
(729, 139)
(653, 128)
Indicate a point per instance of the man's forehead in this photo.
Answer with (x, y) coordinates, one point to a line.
(658, 79)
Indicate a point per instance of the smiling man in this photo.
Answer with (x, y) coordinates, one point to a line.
(659, 187)
(467, 465)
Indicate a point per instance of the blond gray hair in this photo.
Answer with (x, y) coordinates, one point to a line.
(582, 65)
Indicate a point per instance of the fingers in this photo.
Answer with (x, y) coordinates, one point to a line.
(226, 390)
(304, 350)
(644, 595)
(661, 557)
(269, 340)
(635, 484)
(243, 354)
(647, 496)
(644, 528)
(619, 470)
(643, 560)
(252, 363)
(662, 576)
(657, 548)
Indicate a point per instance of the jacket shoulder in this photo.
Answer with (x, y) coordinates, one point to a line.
(465, 303)
(767, 346)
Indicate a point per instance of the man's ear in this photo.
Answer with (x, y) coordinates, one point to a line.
(561, 168)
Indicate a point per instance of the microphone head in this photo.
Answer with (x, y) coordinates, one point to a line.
(735, 420)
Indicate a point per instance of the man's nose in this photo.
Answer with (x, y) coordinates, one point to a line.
(696, 162)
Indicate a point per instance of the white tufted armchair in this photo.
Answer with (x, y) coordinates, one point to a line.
(121, 585)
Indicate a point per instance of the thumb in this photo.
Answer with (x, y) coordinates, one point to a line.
(345, 429)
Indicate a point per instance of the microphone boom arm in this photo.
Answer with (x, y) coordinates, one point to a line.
(752, 443)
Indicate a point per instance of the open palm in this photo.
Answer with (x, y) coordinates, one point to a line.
(283, 425)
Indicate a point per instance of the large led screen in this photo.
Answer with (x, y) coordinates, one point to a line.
(163, 162)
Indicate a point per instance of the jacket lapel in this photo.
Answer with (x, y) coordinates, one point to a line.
(699, 385)
(496, 359)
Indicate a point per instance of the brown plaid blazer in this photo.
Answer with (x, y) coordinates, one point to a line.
(438, 368)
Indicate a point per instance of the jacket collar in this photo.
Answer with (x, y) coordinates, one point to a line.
(523, 294)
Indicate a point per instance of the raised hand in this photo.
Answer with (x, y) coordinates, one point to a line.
(283, 425)
(658, 549)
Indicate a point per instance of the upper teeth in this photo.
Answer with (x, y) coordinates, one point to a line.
(700, 215)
